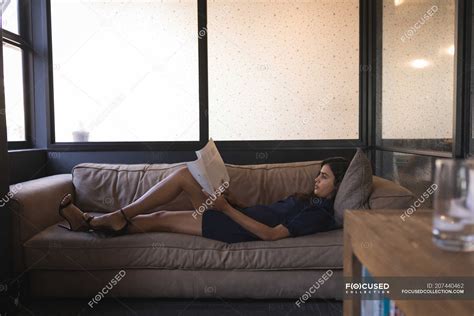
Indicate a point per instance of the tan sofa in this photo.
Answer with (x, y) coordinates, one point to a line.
(60, 263)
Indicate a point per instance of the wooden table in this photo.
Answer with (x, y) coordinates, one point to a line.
(388, 246)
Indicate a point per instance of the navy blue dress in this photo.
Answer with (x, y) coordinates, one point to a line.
(299, 217)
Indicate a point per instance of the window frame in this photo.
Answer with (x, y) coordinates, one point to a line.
(23, 42)
(461, 100)
(204, 101)
(464, 144)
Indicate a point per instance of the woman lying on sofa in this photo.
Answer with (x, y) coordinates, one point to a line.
(226, 220)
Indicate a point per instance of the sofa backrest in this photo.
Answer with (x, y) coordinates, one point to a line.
(107, 187)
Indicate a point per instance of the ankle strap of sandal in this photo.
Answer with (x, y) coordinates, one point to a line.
(125, 216)
(89, 218)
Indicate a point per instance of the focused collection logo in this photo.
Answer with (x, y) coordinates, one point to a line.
(367, 288)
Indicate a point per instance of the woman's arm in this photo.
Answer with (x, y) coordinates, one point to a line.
(261, 230)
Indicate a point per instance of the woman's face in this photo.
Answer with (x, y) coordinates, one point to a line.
(324, 183)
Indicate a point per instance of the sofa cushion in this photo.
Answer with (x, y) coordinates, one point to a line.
(387, 194)
(57, 248)
(355, 187)
(268, 183)
(107, 187)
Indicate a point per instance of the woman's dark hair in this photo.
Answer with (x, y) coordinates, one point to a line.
(338, 167)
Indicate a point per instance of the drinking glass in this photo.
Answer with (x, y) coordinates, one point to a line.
(453, 216)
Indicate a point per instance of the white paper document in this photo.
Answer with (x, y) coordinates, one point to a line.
(209, 169)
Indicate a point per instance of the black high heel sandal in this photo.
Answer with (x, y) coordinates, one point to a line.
(73, 226)
(107, 230)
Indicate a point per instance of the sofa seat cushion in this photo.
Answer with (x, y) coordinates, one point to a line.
(58, 249)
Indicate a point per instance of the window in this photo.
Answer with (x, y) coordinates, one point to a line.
(418, 74)
(10, 15)
(14, 104)
(283, 70)
(13, 50)
(125, 70)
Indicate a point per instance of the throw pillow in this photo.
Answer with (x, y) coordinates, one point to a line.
(355, 188)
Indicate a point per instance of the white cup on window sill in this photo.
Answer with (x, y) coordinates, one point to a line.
(80, 136)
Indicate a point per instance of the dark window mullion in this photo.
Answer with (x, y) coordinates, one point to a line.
(27, 58)
(462, 76)
(203, 73)
(15, 40)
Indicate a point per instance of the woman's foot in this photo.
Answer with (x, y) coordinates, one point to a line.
(114, 221)
(72, 214)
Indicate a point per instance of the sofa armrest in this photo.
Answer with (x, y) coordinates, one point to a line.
(34, 207)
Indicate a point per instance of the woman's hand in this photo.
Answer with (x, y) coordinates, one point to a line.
(219, 202)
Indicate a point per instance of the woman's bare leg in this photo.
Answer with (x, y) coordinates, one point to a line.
(161, 193)
(167, 221)
(167, 190)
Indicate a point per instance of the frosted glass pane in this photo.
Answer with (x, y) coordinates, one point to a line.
(14, 102)
(9, 15)
(125, 70)
(418, 69)
(283, 70)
